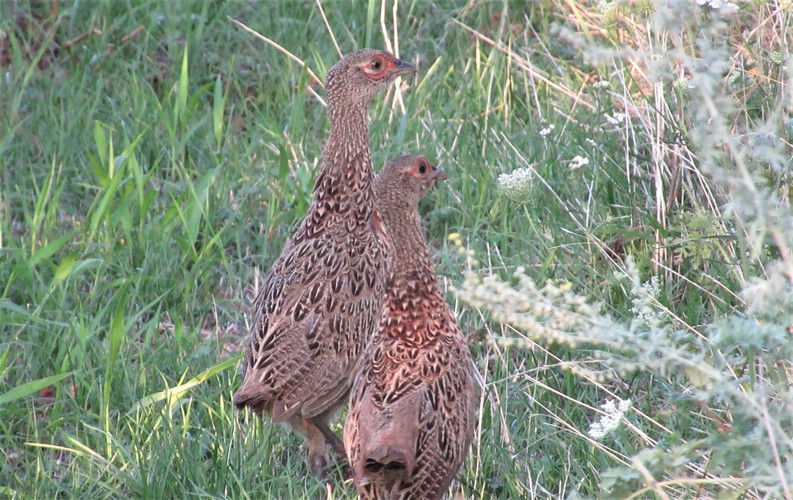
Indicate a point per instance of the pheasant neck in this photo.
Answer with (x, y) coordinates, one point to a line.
(346, 161)
(411, 252)
(413, 298)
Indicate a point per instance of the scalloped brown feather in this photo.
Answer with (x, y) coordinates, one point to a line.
(319, 303)
(412, 408)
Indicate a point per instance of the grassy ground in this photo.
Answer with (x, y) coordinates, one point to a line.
(154, 158)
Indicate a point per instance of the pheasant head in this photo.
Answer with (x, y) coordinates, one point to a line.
(398, 190)
(358, 76)
(404, 180)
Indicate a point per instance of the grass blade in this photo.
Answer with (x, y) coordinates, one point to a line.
(218, 109)
(28, 388)
(173, 394)
(181, 96)
(49, 249)
(369, 23)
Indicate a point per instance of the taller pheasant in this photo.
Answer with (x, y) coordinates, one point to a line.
(320, 302)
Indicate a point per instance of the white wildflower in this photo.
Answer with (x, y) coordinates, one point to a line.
(547, 130)
(682, 84)
(643, 302)
(602, 84)
(617, 119)
(614, 411)
(606, 6)
(517, 184)
(723, 7)
(591, 142)
(578, 162)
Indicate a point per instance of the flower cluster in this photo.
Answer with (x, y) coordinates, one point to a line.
(613, 410)
(725, 8)
(616, 119)
(578, 162)
(517, 184)
(552, 313)
(644, 297)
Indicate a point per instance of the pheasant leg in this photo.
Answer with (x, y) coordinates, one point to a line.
(336, 444)
(316, 441)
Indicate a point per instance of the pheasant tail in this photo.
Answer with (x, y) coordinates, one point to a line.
(389, 440)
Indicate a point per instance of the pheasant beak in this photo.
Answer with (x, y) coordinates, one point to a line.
(439, 175)
(402, 68)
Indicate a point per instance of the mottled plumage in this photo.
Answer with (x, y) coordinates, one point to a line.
(319, 303)
(412, 408)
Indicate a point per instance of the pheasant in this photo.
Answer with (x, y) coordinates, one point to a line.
(319, 303)
(412, 407)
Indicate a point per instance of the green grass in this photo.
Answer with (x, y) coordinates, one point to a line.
(146, 184)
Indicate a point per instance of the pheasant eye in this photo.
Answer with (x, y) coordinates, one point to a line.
(422, 168)
(376, 64)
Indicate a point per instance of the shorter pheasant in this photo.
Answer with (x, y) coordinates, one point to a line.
(412, 407)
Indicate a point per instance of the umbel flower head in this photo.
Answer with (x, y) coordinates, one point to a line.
(517, 185)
